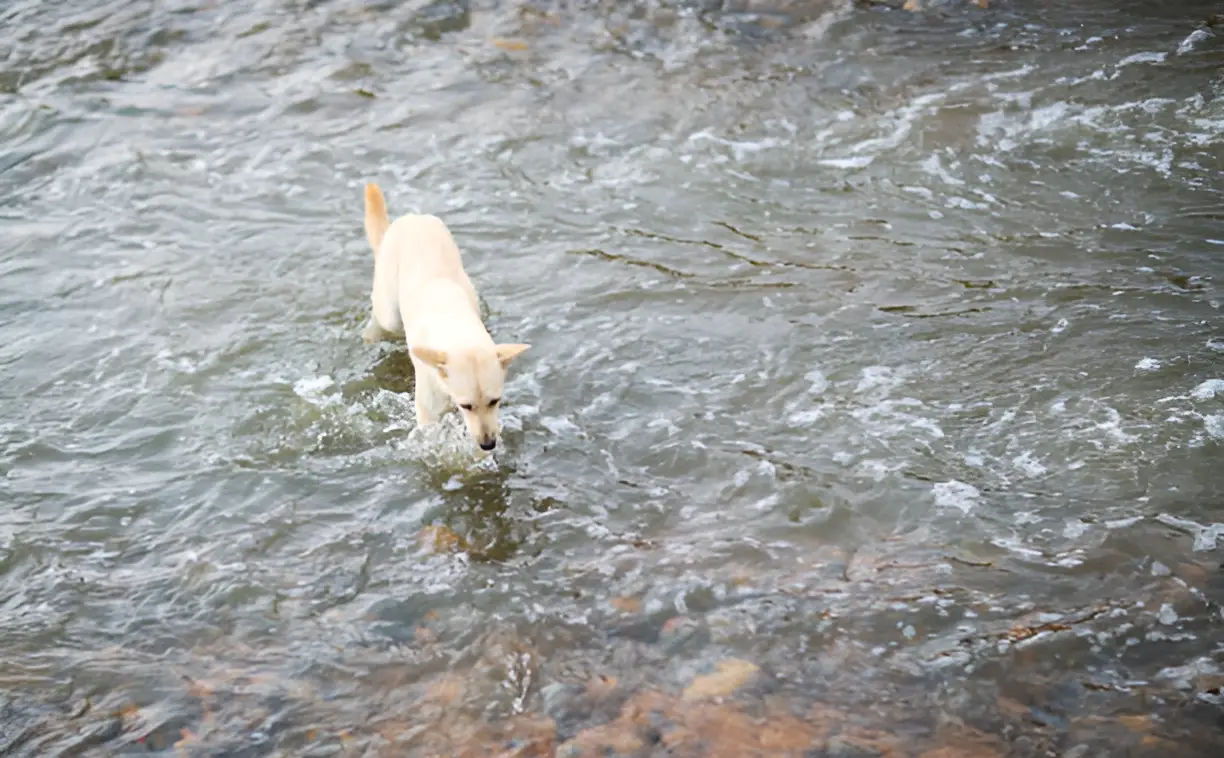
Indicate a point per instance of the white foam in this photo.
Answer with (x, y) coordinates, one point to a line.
(862, 161)
(927, 425)
(954, 494)
(1013, 543)
(878, 471)
(817, 383)
(1074, 529)
(1122, 523)
(313, 388)
(903, 121)
(1147, 364)
(560, 425)
(804, 418)
(1028, 464)
(1167, 615)
(933, 166)
(659, 422)
(1205, 536)
(1155, 57)
(1195, 37)
(1183, 677)
(397, 407)
(878, 377)
(1113, 427)
(1208, 389)
(739, 148)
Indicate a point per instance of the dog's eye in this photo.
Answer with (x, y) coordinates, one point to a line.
(493, 403)
(466, 406)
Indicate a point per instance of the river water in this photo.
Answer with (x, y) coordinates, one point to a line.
(875, 404)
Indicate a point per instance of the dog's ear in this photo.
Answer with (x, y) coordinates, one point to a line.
(507, 353)
(430, 357)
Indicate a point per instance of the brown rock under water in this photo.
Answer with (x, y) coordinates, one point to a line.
(729, 675)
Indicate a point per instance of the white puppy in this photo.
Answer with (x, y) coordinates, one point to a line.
(422, 293)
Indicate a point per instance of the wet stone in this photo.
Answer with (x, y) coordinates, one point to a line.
(657, 723)
(958, 751)
(437, 539)
(93, 736)
(629, 605)
(575, 706)
(562, 702)
(1048, 718)
(17, 724)
(727, 677)
(615, 739)
(841, 748)
(682, 633)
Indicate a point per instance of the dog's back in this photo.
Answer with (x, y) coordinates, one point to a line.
(411, 255)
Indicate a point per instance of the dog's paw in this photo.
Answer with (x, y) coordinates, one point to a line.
(371, 334)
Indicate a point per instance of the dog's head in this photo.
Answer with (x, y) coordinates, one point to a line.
(474, 379)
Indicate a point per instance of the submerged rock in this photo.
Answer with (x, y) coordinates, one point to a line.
(729, 675)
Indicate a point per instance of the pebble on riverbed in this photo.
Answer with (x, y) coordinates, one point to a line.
(434, 539)
(728, 676)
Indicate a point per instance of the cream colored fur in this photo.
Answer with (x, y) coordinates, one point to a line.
(422, 293)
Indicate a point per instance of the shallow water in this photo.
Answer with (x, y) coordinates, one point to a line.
(879, 349)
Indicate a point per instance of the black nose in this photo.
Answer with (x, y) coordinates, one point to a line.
(488, 445)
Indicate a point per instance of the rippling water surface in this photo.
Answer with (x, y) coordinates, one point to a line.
(875, 405)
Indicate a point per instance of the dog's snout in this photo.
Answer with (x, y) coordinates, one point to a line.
(488, 444)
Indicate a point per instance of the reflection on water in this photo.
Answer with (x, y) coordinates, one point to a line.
(874, 405)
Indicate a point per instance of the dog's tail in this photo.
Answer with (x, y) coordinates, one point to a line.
(376, 221)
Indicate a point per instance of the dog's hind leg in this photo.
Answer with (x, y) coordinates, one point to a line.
(374, 333)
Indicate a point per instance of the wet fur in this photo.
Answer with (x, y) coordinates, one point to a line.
(422, 294)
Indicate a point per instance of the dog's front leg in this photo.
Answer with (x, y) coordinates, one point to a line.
(428, 396)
